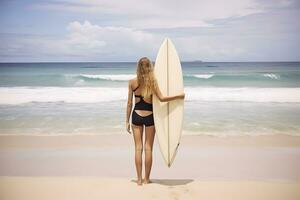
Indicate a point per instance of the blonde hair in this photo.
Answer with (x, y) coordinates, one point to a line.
(145, 76)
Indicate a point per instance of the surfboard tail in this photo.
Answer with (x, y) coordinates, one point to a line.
(173, 156)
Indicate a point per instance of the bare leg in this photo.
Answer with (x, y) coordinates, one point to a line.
(150, 133)
(138, 140)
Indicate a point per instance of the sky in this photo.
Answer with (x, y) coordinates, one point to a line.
(117, 31)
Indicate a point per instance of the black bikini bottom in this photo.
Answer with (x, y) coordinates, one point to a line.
(140, 120)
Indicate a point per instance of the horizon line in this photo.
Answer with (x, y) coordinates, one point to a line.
(192, 61)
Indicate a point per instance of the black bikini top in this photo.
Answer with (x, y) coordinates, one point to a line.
(142, 105)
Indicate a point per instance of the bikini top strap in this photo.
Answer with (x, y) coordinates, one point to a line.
(139, 96)
(136, 88)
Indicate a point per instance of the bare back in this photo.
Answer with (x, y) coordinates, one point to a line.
(138, 92)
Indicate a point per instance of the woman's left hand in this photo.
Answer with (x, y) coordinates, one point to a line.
(128, 127)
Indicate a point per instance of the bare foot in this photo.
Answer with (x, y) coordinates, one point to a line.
(139, 182)
(146, 181)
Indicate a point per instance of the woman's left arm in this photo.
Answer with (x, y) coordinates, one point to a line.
(129, 106)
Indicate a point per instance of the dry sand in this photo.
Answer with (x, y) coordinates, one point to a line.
(49, 188)
(102, 167)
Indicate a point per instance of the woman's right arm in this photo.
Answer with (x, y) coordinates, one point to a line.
(166, 98)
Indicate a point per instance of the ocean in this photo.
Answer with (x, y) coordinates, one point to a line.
(222, 98)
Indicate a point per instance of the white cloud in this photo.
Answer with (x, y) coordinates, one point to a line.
(144, 14)
(252, 37)
(86, 41)
(90, 42)
(89, 39)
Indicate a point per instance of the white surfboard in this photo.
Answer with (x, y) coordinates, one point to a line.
(168, 116)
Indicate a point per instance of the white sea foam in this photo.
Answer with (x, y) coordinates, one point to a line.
(111, 77)
(19, 95)
(204, 76)
(244, 94)
(125, 77)
(272, 76)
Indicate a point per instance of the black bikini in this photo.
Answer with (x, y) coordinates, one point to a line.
(142, 105)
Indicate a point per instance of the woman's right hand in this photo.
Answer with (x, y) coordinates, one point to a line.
(181, 96)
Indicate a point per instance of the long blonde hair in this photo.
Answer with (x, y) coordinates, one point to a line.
(145, 76)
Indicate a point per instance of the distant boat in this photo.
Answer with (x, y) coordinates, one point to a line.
(196, 61)
(211, 66)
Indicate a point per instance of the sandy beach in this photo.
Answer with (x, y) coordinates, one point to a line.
(103, 188)
(96, 166)
(73, 72)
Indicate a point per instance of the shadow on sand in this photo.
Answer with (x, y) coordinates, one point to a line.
(169, 182)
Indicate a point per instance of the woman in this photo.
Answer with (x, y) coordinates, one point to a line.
(143, 87)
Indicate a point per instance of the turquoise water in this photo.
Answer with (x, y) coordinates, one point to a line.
(222, 99)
